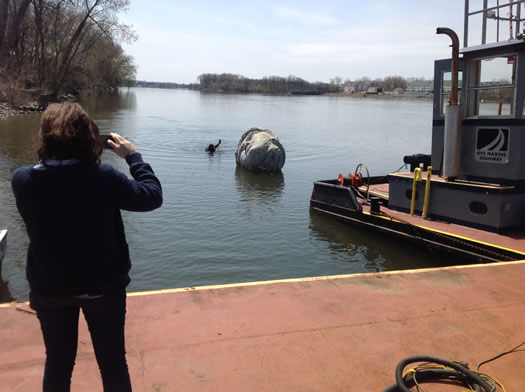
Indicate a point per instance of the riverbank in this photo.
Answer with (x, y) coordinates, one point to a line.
(7, 110)
(30, 105)
(365, 94)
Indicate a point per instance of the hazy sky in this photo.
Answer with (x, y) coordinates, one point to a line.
(315, 40)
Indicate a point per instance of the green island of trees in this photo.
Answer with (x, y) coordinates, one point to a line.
(52, 47)
(293, 85)
(232, 83)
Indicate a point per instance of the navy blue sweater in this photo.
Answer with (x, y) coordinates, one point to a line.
(77, 243)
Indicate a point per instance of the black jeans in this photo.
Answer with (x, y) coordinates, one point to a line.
(105, 318)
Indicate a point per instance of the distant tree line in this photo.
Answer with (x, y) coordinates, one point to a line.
(232, 83)
(62, 46)
(389, 83)
(143, 83)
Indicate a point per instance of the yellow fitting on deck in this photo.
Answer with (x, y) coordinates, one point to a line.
(417, 177)
(427, 192)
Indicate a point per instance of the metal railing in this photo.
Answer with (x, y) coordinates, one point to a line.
(510, 12)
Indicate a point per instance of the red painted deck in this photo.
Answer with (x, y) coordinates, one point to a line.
(322, 334)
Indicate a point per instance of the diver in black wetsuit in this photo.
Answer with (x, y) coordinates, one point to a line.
(212, 148)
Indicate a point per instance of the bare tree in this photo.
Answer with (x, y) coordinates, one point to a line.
(3, 20)
(10, 40)
(63, 45)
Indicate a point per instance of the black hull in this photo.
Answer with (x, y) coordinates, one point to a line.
(337, 202)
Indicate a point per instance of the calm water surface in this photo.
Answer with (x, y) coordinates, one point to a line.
(221, 224)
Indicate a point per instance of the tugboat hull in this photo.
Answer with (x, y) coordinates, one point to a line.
(446, 239)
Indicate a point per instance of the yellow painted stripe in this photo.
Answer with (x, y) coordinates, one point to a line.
(459, 183)
(377, 193)
(8, 304)
(319, 278)
(446, 233)
(388, 218)
(310, 279)
(471, 239)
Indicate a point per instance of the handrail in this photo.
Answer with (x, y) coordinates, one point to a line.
(497, 7)
(515, 20)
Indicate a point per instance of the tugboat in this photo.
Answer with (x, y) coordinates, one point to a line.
(468, 197)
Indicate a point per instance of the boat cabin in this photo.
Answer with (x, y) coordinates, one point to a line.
(478, 142)
(492, 100)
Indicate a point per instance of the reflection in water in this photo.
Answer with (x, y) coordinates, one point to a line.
(102, 107)
(345, 243)
(372, 250)
(19, 140)
(258, 185)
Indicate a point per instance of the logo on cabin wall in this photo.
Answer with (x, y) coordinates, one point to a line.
(492, 145)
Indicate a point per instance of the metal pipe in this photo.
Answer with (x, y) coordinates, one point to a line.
(417, 177)
(465, 24)
(455, 63)
(497, 22)
(452, 143)
(518, 20)
(484, 23)
(427, 192)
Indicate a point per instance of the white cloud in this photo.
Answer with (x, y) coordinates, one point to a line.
(363, 43)
(303, 17)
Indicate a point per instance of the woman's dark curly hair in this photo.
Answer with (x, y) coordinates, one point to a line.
(67, 132)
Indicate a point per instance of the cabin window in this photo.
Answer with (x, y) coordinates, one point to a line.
(492, 86)
(446, 82)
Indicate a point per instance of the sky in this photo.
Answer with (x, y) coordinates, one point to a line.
(314, 40)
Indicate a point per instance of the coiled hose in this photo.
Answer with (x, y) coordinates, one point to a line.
(456, 372)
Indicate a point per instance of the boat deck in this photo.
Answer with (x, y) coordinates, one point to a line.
(341, 333)
(513, 240)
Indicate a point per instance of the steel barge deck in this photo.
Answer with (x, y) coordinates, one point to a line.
(338, 333)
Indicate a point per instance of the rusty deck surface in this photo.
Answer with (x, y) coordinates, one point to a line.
(343, 333)
(513, 240)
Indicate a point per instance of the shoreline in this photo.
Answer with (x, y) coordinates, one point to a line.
(7, 111)
(381, 95)
(31, 105)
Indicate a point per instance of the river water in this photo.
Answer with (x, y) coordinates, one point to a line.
(221, 224)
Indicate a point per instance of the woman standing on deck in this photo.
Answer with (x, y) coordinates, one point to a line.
(78, 256)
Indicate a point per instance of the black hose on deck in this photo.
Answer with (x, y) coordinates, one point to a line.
(457, 373)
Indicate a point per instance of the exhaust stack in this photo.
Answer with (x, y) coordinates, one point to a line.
(452, 142)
